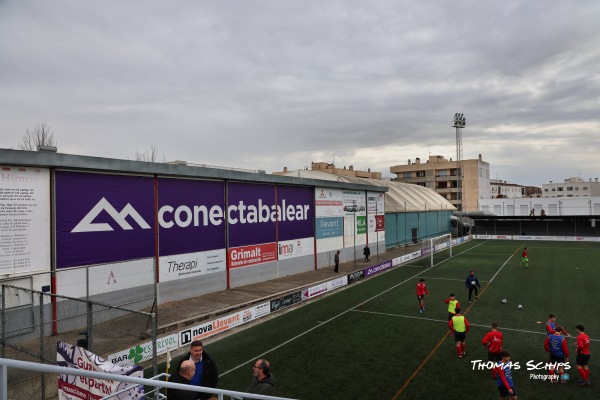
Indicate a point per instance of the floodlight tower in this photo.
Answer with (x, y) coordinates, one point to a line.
(459, 122)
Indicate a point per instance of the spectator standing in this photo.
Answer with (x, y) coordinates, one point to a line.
(186, 371)
(336, 260)
(583, 355)
(263, 380)
(367, 253)
(472, 284)
(460, 326)
(206, 373)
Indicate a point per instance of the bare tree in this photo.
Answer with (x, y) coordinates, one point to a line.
(148, 155)
(41, 135)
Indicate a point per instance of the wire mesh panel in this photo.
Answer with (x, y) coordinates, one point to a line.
(32, 322)
(128, 283)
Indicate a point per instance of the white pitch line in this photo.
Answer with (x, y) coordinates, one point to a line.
(446, 323)
(447, 279)
(245, 363)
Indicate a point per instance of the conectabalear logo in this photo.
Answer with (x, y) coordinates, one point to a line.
(197, 215)
(87, 224)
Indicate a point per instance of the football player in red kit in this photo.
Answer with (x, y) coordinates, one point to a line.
(583, 355)
(524, 259)
(493, 341)
(421, 292)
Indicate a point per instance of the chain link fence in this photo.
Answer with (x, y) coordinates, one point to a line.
(32, 322)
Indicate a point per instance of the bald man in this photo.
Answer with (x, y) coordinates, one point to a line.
(187, 369)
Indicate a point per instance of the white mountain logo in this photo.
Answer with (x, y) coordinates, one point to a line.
(87, 223)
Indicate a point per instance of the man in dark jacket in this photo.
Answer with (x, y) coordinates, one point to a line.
(206, 373)
(187, 369)
(472, 283)
(263, 380)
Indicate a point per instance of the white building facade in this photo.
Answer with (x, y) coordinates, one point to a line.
(552, 206)
(572, 187)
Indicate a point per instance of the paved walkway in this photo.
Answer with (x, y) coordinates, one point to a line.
(175, 315)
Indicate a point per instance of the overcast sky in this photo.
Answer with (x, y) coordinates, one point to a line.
(273, 84)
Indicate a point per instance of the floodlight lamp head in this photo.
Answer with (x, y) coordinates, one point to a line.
(459, 120)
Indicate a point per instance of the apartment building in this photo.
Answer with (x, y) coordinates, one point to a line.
(572, 187)
(330, 168)
(441, 175)
(506, 190)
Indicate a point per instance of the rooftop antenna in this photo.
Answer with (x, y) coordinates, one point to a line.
(333, 162)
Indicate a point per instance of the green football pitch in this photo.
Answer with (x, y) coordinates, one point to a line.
(369, 341)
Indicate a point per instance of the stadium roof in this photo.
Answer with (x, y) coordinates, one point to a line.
(400, 197)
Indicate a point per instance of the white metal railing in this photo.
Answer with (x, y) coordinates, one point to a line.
(6, 363)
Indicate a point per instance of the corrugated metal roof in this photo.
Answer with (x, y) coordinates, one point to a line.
(400, 196)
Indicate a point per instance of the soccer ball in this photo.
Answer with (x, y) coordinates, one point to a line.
(520, 307)
(504, 301)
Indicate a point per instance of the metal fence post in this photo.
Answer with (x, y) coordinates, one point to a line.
(3, 317)
(90, 325)
(3, 373)
(42, 344)
(154, 350)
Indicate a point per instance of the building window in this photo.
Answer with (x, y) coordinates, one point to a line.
(569, 188)
(576, 187)
(420, 174)
(443, 172)
(545, 190)
(407, 175)
(585, 188)
(560, 189)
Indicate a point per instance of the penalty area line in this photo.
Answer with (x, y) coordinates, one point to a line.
(502, 328)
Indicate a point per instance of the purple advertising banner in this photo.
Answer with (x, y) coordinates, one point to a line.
(103, 218)
(251, 213)
(375, 269)
(297, 215)
(191, 216)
